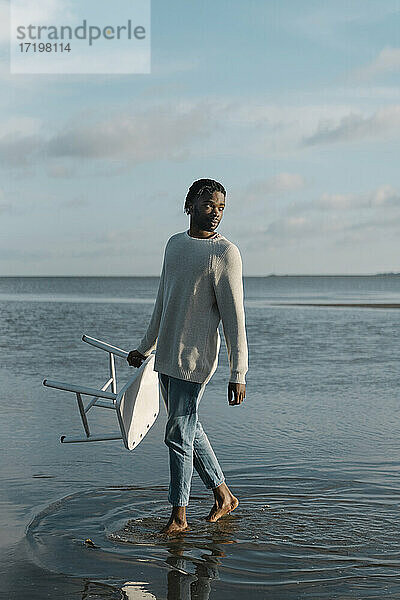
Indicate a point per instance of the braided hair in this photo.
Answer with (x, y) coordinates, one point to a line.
(200, 188)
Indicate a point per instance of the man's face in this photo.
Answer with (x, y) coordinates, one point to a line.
(207, 212)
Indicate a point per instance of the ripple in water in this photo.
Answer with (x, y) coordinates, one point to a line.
(302, 532)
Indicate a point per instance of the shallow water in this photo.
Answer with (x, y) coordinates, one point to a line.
(313, 454)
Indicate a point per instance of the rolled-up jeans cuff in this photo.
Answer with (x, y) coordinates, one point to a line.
(214, 487)
(178, 500)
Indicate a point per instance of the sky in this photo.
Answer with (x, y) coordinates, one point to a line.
(293, 106)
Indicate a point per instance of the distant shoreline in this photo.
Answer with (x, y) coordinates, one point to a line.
(340, 304)
(272, 276)
(341, 275)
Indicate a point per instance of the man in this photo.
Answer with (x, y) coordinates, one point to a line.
(200, 285)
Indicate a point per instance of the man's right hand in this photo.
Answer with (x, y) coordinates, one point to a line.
(135, 358)
(236, 393)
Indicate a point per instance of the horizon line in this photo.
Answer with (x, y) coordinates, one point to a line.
(379, 274)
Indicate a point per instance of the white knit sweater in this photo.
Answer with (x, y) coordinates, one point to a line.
(200, 285)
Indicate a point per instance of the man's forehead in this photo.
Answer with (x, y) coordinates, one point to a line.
(216, 197)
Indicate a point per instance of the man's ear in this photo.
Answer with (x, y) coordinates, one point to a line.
(189, 209)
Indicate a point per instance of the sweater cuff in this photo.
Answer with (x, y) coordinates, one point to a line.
(144, 349)
(237, 377)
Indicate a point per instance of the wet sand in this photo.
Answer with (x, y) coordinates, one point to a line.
(339, 304)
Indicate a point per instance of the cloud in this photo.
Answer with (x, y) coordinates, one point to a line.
(161, 132)
(46, 12)
(334, 217)
(279, 184)
(384, 196)
(173, 130)
(387, 61)
(76, 202)
(4, 21)
(255, 129)
(25, 11)
(20, 125)
(288, 228)
(30, 203)
(167, 66)
(5, 207)
(59, 171)
(19, 151)
(21, 139)
(383, 124)
(177, 131)
(302, 229)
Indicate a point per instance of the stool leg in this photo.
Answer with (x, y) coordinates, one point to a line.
(113, 374)
(83, 414)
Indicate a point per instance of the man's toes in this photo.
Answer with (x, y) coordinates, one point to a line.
(219, 511)
(211, 514)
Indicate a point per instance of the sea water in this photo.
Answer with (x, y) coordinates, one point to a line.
(313, 453)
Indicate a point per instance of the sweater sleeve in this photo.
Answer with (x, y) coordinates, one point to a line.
(228, 287)
(149, 340)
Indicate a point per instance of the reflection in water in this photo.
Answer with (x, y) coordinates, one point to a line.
(131, 590)
(187, 579)
(182, 585)
(136, 591)
(95, 590)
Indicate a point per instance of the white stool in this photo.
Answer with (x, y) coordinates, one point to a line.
(137, 403)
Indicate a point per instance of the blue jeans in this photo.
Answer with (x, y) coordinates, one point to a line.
(188, 444)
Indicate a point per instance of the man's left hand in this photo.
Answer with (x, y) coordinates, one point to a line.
(236, 393)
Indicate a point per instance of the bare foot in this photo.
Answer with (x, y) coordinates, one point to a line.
(172, 528)
(221, 509)
(225, 502)
(177, 522)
